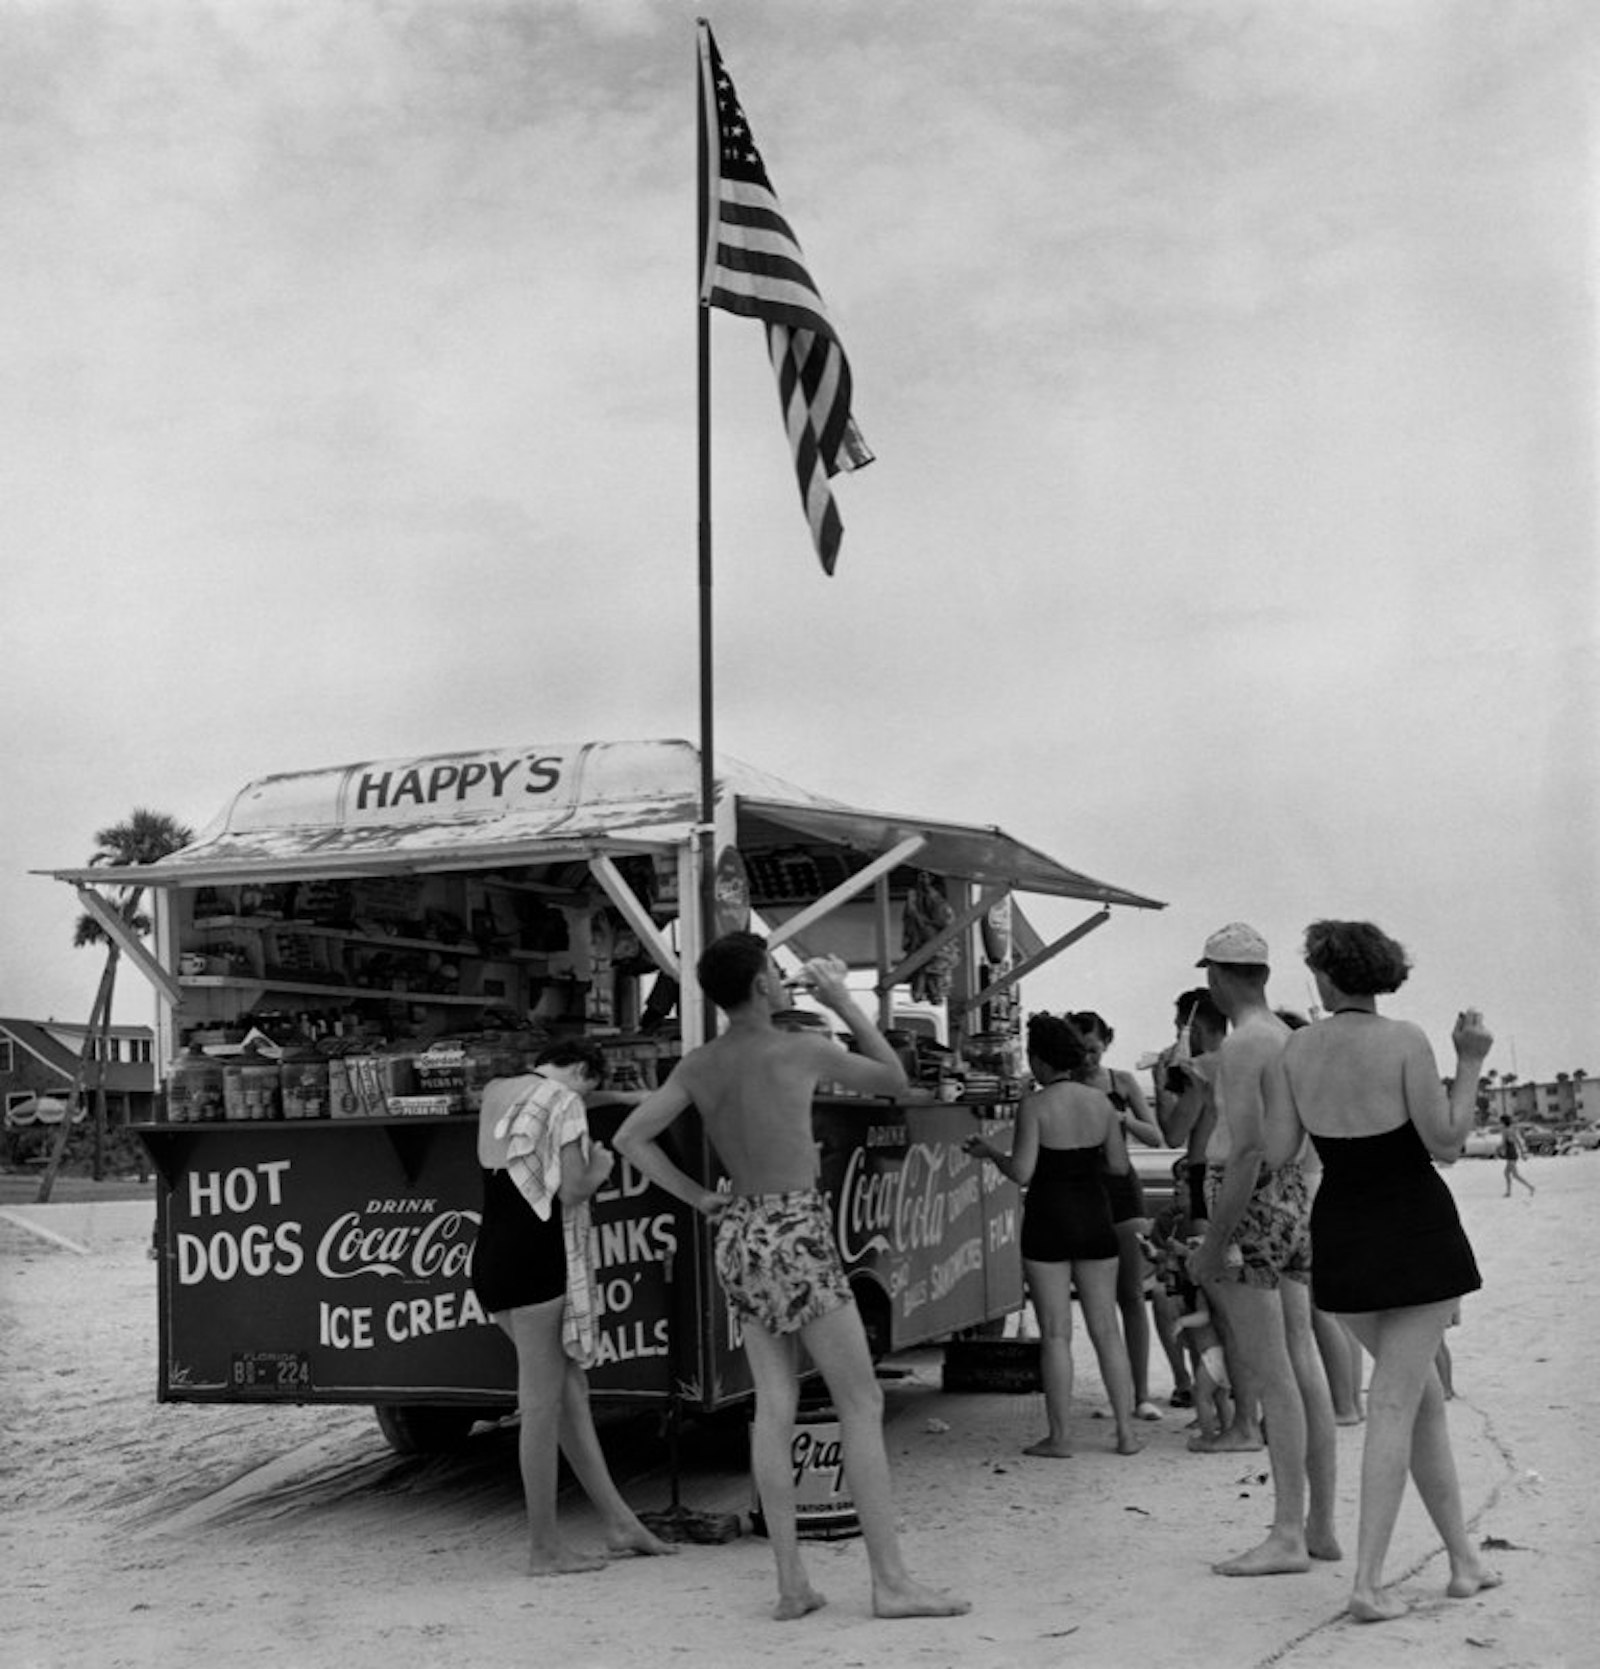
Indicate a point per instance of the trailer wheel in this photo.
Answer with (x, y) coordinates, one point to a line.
(416, 1428)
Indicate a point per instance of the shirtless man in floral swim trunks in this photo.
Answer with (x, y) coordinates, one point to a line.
(775, 1252)
(1255, 1261)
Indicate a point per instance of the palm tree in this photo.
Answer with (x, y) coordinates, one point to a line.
(143, 838)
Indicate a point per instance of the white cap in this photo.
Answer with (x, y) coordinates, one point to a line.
(1238, 942)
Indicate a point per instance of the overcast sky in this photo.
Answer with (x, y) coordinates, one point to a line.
(1230, 366)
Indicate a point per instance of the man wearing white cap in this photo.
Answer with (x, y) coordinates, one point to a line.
(1255, 1262)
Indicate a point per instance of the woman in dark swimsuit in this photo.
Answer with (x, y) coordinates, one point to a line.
(1128, 1212)
(1388, 1255)
(538, 1166)
(1067, 1135)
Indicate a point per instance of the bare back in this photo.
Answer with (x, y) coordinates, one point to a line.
(753, 1088)
(1359, 1074)
(1243, 1060)
(1072, 1115)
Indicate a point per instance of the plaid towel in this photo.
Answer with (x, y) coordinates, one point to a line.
(543, 1120)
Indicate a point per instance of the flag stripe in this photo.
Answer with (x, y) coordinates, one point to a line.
(754, 267)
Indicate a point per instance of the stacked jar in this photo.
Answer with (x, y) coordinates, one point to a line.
(250, 1087)
(303, 1077)
(195, 1093)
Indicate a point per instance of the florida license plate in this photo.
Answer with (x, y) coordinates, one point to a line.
(277, 1373)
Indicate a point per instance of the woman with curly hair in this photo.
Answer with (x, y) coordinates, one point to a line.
(1068, 1137)
(1388, 1254)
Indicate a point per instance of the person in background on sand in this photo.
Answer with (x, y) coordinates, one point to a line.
(532, 1273)
(1067, 1138)
(1513, 1149)
(1390, 1256)
(776, 1257)
(1255, 1263)
(1128, 1214)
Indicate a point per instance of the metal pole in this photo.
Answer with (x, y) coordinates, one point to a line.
(704, 109)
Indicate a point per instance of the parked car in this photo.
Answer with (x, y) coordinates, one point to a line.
(1585, 1138)
(1482, 1144)
(1539, 1138)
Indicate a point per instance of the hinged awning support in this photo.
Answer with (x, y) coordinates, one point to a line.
(129, 943)
(635, 914)
(1037, 960)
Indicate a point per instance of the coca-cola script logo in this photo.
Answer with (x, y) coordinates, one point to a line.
(897, 1208)
(433, 1248)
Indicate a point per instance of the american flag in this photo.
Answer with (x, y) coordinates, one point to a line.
(753, 266)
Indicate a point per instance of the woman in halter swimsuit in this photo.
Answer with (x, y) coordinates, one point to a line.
(1067, 1137)
(1388, 1255)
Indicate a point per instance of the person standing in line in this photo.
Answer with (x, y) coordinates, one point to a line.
(1513, 1149)
(1389, 1254)
(776, 1256)
(1256, 1260)
(1068, 1139)
(1128, 1214)
(1336, 1344)
(532, 1273)
(1187, 1112)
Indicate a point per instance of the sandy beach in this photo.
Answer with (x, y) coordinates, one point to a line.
(137, 1534)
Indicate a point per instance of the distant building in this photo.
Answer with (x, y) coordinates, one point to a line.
(1569, 1096)
(39, 1061)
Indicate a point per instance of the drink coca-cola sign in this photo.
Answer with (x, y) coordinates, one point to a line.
(919, 1219)
(339, 1261)
(426, 1244)
(891, 1208)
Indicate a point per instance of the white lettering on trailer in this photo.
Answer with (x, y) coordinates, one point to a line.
(213, 1192)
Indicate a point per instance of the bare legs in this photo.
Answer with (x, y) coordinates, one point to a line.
(1242, 1434)
(1097, 1292)
(580, 1443)
(553, 1400)
(1322, 1450)
(1166, 1315)
(1406, 1429)
(1135, 1314)
(535, 1330)
(838, 1347)
(1341, 1361)
(1514, 1175)
(1261, 1323)
(1050, 1287)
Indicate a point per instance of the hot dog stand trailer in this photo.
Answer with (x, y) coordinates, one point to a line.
(399, 931)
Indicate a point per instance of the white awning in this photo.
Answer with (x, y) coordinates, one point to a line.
(553, 803)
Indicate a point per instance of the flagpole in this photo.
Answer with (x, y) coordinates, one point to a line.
(708, 774)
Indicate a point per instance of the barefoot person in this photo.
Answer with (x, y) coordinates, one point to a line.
(1512, 1150)
(531, 1273)
(1068, 1139)
(1255, 1263)
(1186, 1110)
(775, 1251)
(1129, 1216)
(1390, 1257)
